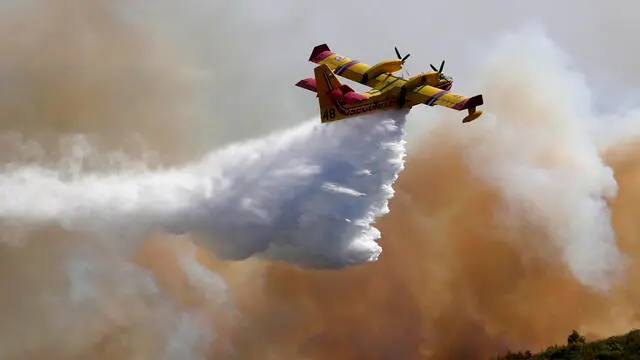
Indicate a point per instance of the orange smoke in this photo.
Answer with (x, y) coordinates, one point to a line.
(472, 266)
(452, 283)
(448, 286)
(75, 67)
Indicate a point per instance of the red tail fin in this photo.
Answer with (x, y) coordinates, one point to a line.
(326, 82)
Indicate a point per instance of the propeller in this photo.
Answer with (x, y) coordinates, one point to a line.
(441, 67)
(403, 59)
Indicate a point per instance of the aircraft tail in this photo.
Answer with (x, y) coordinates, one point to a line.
(332, 94)
(326, 80)
(327, 84)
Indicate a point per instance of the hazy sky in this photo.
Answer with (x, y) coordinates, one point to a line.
(242, 58)
(252, 52)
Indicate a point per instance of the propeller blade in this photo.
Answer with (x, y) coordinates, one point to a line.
(441, 66)
(398, 53)
(405, 57)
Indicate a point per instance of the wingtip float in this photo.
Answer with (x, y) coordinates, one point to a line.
(339, 101)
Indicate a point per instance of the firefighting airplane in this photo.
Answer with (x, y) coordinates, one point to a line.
(339, 101)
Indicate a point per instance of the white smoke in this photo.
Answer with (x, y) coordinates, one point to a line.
(535, 147)
(308, 195)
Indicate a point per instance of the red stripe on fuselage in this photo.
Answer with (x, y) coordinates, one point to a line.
(344, 67)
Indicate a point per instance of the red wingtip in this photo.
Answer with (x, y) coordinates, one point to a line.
(309, 84)
(471, 102)
(319, 52)
(475, 101)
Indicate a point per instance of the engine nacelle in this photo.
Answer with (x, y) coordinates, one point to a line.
(383, 67)
(430, 78)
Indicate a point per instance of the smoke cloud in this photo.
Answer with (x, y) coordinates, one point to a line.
(306, 195)
(94, 197)
(83, 90)
(505, 233)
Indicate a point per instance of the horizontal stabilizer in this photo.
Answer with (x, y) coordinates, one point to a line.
(308, 83)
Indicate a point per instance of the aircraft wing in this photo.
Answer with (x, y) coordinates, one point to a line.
(433, 96)
(354, 70)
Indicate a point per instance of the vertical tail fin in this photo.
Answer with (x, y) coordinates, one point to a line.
(326, 82)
